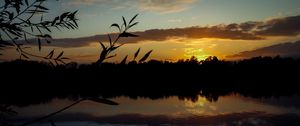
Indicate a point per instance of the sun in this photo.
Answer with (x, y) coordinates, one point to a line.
(196, 52)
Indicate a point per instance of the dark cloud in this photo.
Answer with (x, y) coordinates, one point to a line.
(288, 49)
(288, 26)
(233, 119)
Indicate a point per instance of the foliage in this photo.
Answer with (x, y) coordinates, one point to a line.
(123, 33)
(16, 23)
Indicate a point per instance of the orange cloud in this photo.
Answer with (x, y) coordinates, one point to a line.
(288, 26)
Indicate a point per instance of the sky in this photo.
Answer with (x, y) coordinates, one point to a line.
(176, 29)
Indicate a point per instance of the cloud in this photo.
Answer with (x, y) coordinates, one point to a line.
(289, 26)
(175, 20)
(288, 49)
(164, 6)
(233, 119)
(84, 2)
(251, 30)
(159, 6)
(161, 35)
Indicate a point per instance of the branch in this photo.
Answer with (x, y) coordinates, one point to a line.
(53, 114)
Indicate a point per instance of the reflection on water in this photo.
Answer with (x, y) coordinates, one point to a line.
(233, 110)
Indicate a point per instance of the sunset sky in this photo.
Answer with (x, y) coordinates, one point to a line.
(177, 29)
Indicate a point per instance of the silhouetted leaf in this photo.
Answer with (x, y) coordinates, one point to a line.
(60, 55)
(103, 101)
(25, 56)
(102, 45)
(133, 18)
(125, 24)
(11, 16)
(145, 56)
(52, 64)
(116, 47)
(54, 21)
(116, 25)
(47, 36)
(26, 2)
(41, 7)
(63, 16)
(62, 62)
(40, 44)
(42, 17)
(109, 38)
(136, 53)
(124, 60)
(50, 55)
(56, 62)
(45, 27)
(126, 34)
(132, 25)
(35, 11)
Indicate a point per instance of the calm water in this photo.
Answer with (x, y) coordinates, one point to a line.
(233, 110)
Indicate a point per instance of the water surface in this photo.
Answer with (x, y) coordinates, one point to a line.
(231, 110)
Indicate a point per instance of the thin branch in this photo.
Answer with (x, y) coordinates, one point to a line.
(53, 114)
(23, 11)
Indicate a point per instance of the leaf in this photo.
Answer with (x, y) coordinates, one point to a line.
(74, 12)
(25, 56)
(47, 36)
(125, 24)
(45, 27)
(116, 47)
(56, 62)
(109, 38)
(63, 16)
(126, 34)
(50, 55)
(62, 62)
(42, 18)
(35, 11)
(136, 53)
(26, 2)
(11, 16)
(40, 44)
(54, 21)
(60, 55)
(116, 25)
(102, 45)
(103, 101)
(74, 21)
(124, 60)
(132, 19)
(145, 56)
(132, 25)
